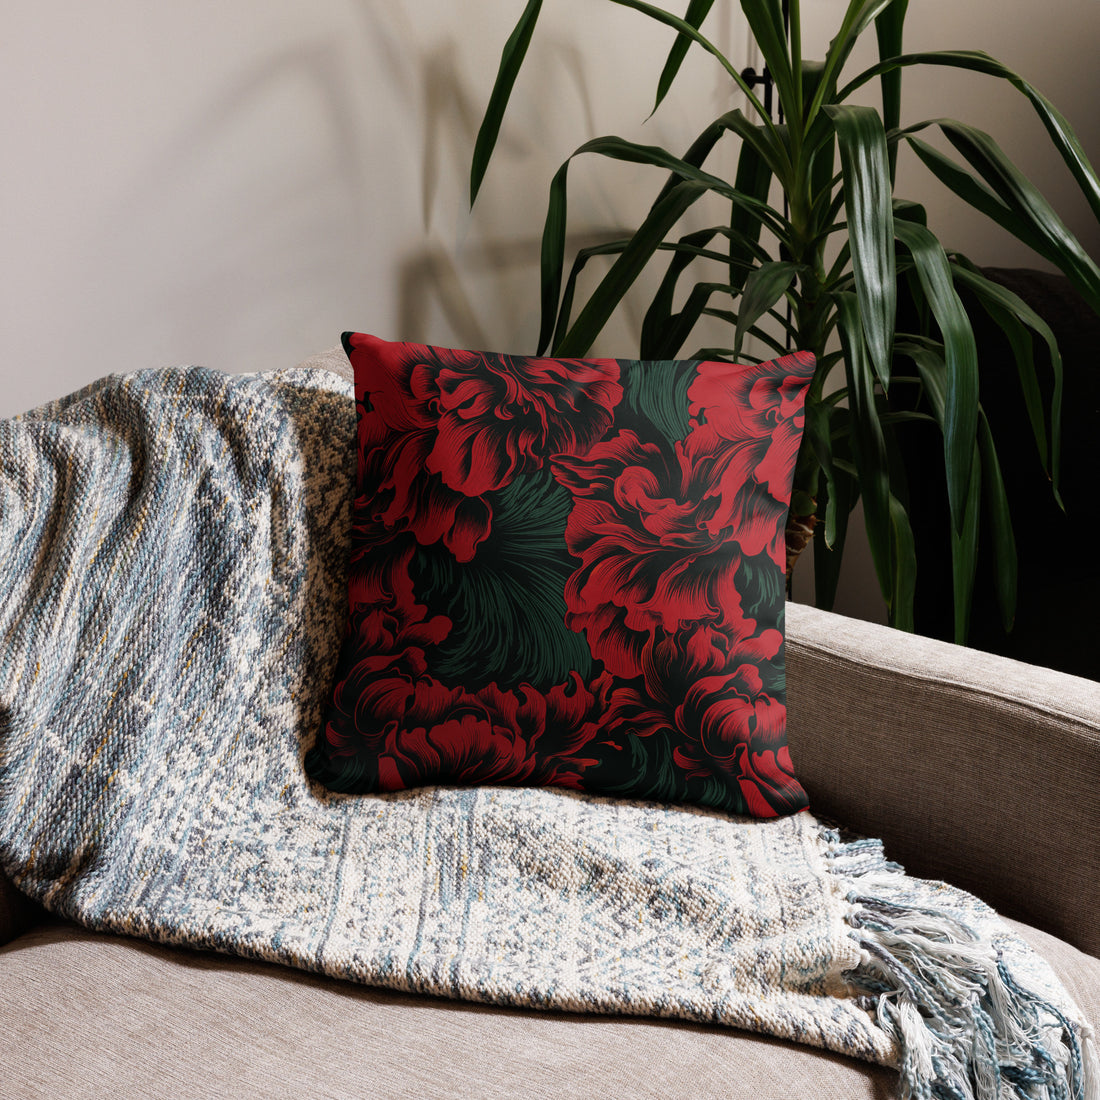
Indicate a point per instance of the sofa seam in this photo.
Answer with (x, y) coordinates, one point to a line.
(959, 686)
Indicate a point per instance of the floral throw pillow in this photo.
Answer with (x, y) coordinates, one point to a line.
(570, 572)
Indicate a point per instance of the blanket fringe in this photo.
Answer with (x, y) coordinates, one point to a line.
(964, 1024)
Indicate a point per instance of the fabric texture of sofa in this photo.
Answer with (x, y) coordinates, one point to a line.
(971, 767)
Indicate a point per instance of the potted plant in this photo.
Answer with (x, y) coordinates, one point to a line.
(814, 247)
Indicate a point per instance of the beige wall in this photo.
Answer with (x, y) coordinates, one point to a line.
(234, 182)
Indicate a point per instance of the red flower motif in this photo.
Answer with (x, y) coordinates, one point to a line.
(661, 533)
(403, 497)
(385, 616)
(708, 691)
(422, 732)
(438, 429)
(758, 413)
(652, 557)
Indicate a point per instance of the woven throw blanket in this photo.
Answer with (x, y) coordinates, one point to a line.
(172, 578)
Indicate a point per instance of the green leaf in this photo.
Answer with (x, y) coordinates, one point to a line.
(754, 177)
(856, 19)
(627, 267)
(889, 531)
(1023, 353)
(679, 328)
(687, 30)
(960, 418)
(907, 211)
(565, 310)
(1060, 131)
(643, 243)
(867, 441)
(765, 19)
(928, 358)
(615, 148)
(767, 143)
(1002, 537)
(697, 11)
(818, 434)
(819, 437)
(994, 295)
(843, 492)
(973, 192)
(758, 139)
(964, 551)
(763, 288)
(553, 254)
(819, 144)
(515, 50)
(777, 347)
(868, 200)
(1021, 196)
(889, 25)
(753, 180)
(829, 556)
(658, 316)
(836, 498)
(932, 367)
(888, 419)
(903, 563)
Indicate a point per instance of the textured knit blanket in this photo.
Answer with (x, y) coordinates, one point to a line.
(172, 591)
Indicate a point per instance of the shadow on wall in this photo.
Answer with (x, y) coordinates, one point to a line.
(234, 233)
(430, 283)
(452, 117)
(312, 65)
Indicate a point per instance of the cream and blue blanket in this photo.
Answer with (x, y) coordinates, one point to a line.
(172, 590)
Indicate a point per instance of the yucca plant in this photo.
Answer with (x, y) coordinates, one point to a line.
(813, 248)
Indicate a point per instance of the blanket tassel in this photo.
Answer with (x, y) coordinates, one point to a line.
(966, 1027)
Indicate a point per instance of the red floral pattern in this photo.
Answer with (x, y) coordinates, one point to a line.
(707, 690)
(471, 422)
(670, 559)
(422, 731)
(652, 555)
(759, 425)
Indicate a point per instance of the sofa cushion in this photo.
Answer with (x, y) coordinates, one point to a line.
(971, 768)
(80, 1009)
(568, 572)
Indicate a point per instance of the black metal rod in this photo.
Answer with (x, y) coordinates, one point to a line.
(752, 78)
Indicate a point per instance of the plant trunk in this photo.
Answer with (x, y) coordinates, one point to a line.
(800, 533)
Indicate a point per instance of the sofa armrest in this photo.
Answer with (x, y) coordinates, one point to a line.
(972, 768)
(17, 911)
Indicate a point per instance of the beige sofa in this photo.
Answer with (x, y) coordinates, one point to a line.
(973, 768)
